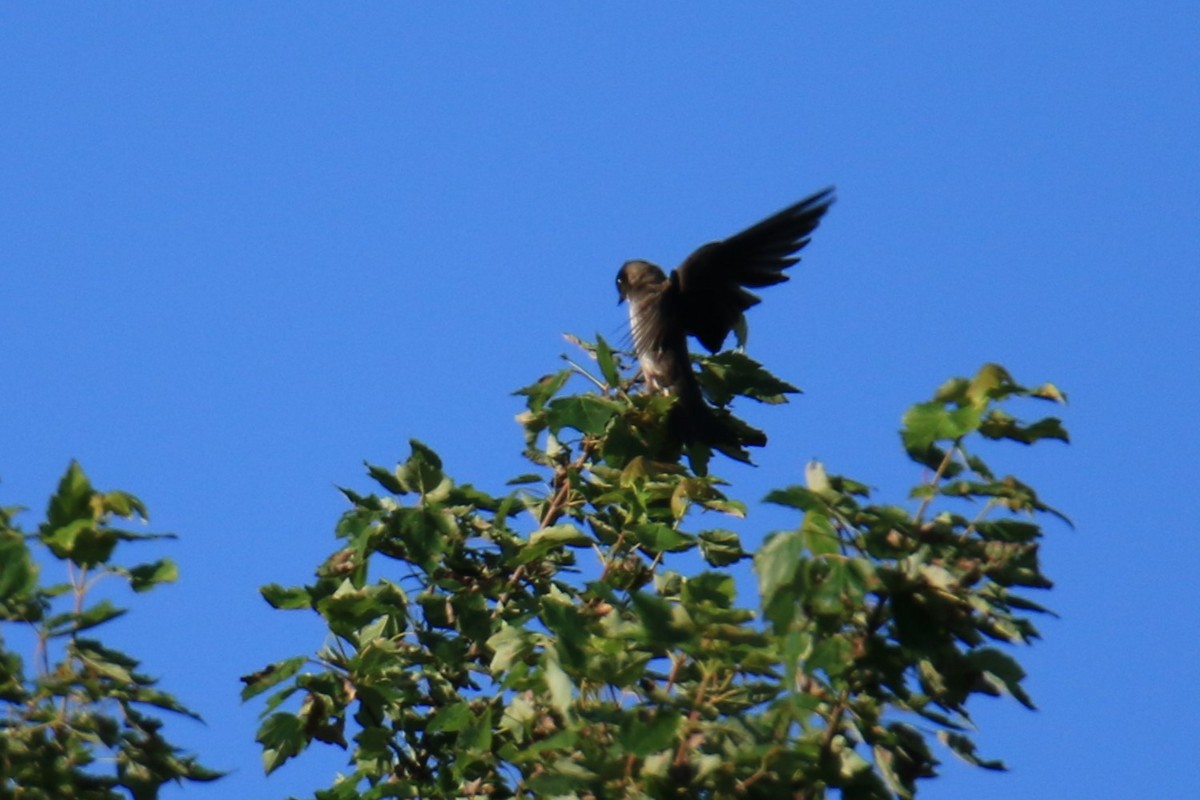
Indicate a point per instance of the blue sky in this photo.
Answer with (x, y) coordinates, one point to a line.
(244, 247)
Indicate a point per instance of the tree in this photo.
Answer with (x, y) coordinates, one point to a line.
(80, 725)
(563, 639)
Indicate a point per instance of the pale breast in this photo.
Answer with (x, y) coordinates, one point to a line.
(654, 350)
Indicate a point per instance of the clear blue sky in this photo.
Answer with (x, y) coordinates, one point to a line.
(244, 247)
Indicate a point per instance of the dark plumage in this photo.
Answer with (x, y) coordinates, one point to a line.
(705, 297)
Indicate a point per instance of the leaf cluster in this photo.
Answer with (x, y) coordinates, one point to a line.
(581, 635)
(78, 722)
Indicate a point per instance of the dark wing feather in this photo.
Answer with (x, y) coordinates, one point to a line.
(712, 282)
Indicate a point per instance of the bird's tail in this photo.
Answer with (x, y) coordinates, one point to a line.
(695, 422)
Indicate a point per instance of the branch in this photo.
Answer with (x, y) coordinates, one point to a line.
(933, 482)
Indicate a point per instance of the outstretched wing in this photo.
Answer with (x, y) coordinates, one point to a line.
(711, 285)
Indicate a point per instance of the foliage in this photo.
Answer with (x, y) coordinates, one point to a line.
(80, 724)
(581, 636)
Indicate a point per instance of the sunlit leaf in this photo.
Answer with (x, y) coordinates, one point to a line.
(587, 413)
(558, 686)
(927, 423)
(552, 538)
(777, 562)
(72, 500)
(991, 382)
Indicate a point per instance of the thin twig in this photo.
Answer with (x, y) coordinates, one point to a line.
(933, 482)
(599, 384)
(693, 718)
(835, 721)
(559, 501)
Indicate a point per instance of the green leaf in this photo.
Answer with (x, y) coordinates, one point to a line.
(902, 757)
(651, 732)
(423, 532)
(716, 588)
(829, 588)
(731, 373)
(777, 563)
(952, 391)
(98, 614)
(282, 737)
(107, 662)
(1006, 672)
(286, 597)
(721, 548)
(72, 500)
(94, 650)
(927, 423)
(545, 540)
(18, 573)
(386, 478)
(422, 472)
(269, 676)
(124, 504)
(998, 425)
(991, 382)
(665, 623)
(476, 737)
(146, 576)
(818, 533)
(795, 497)
(659, 538)
(543, 389)
(508, 645)
(1008, 530)
(607, 362)
(564, 619)
(831, 655)
(964, 748)
(559, 688)
(1048, 391)
(80, 541)
(453, 718)
(519, 714)
(586, 413)
(166, 702)
(1016, 601)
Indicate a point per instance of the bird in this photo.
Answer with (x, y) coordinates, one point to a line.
(706, 297)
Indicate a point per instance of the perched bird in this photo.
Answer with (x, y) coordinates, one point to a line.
(705, 297)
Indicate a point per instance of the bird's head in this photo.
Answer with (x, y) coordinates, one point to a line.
(635, 276)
